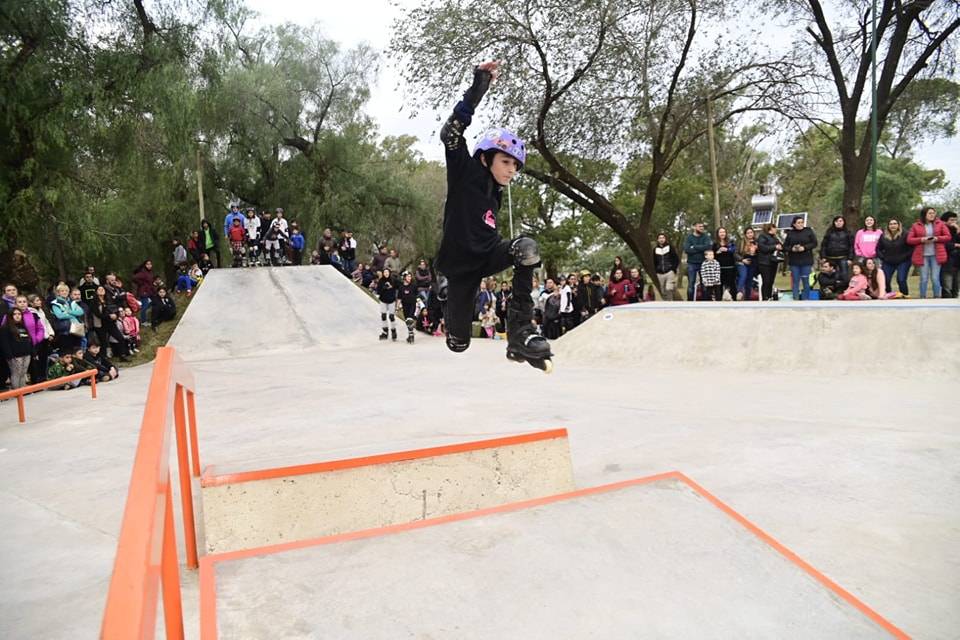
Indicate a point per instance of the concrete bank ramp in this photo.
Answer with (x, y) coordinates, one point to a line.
(898, 337)
(653, 560)
(255, 311)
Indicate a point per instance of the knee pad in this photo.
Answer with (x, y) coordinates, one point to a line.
(392, 317)
(526, 252)
(457, 345)
(383, 317)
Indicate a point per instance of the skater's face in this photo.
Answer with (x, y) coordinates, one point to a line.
(503, 168)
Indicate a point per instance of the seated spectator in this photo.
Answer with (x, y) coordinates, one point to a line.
(163, 308)
(105, 369)
(857, 289)
(131, 331)
(829, 281)
(81, 365)
(205, 264)
(336, 262)
(619, 290)
(424, 322)
(185, 283)
(877, 283)
(62, 366)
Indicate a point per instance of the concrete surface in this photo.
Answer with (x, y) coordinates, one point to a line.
(859, 474)
(650, 561)
(257, 513)
(832, 338)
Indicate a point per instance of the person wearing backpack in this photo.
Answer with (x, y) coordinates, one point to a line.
(551, 310)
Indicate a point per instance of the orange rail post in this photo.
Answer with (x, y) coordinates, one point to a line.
(21, 410)
(93, 386)
(46, 384)
(170, 573)
(192, 424)
(186, 490)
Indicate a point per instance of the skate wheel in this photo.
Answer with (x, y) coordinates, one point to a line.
(548, 366)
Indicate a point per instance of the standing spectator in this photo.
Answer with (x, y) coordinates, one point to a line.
(232, 215)
(837, 246)
(865, 242)
(131, 331)
(93, 274)
(348, 251)
(379, 259)
(617, 264)
(636, 279)
(195, 246)
(769, 257)
(484, 295)
(38, 367)
(725, 252)
(88, 288)
(16, 347)
(386, 291)
(271, 245)
(210, 241)
(251, 225)
(831, 285)
(950, 268)
(424, 279)
(327, 242)
(549, 301)
(502, 304)
(238, 242)
(105, 315)
(620, 290)
(280, 222)
(164, 308)
(746, 264)
(666, 262)
(876, 281)
(488, 321)
(799, 245)
(143, 278)
(179, 253)
(297, 242)
(929, 237)
(67, 312)
(9, 299)
(710, 277)
(857, 288)
(895, 254)
(393, 262)
(588, 297)
(567, 317)
(694, 246)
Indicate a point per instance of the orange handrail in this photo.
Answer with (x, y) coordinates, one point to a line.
(146, 564)
(40, 386)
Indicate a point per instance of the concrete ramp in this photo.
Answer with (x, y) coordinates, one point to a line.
(651, 558)
(782, 338)
(257, 311)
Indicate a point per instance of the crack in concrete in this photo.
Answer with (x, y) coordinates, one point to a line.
(62, 516)
(292, 308)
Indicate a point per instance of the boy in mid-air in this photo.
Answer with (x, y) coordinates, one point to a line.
(471, 247)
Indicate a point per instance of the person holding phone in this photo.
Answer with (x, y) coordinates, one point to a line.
(929, 237)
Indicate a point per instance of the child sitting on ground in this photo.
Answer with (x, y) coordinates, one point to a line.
(710, 277)
(105, 369)
(205, 265)
(185, 283)
(80, 364)
(857, 289)
(131, 330)
(62, 366)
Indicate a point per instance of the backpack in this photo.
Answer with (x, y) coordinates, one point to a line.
(551, 309)
(133, 303)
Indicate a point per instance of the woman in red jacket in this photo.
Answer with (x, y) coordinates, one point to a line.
(929, 237)
(619, 290)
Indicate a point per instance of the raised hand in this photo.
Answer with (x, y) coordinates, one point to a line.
(493, 66)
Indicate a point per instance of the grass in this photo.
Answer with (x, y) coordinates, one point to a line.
(150, 341)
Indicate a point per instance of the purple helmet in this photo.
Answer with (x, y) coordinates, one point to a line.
(500, 139)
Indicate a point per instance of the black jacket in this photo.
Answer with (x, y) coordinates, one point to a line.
(386, 290)
(408, 298)
(665, 262)
(831, 284)
(766, 245)
(804, 238)
(15, 341)
(895, 251)
(473, 197)
(837, 243)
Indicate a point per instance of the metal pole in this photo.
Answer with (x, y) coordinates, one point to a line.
(713, 169)
(510, 209)
(873, 113)
(200, 185)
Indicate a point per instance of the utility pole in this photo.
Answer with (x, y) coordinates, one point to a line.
(713, 168)
(874, 190)
(200, 184)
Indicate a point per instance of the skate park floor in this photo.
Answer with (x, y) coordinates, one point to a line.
(857, 472)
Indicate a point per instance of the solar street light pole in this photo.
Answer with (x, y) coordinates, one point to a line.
(873, 112)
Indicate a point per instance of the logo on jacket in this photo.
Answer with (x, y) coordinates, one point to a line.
(489, 219)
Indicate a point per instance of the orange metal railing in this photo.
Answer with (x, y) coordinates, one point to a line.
(146, 565)
(40, 386)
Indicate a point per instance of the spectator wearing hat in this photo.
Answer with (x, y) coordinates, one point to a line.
(589, 298)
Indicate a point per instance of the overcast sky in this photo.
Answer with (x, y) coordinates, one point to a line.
(354, 21)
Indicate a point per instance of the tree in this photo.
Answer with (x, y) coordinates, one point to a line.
(913, 43)
(593, 80)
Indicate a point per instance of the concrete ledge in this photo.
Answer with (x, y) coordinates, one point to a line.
(273, 506)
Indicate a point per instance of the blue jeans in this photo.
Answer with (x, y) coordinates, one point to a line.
(144, 305)
(800, 273)
(693, 270)
(745, 277)
(930, 270)
(903, 270)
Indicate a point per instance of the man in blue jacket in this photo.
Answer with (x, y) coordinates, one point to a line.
(694, 246)
(234, 213)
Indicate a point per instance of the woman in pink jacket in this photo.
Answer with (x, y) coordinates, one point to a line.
(929, 237)
(865, 242)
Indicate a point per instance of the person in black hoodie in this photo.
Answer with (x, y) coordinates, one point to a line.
(799, 245)
(769, 257)
(471, 247)
(94, 357)
(16, 348)
(162, 309)
(837, 246)
(950, 269)
(386, 290)
(895, 255)
(666, 262)
(829, 281)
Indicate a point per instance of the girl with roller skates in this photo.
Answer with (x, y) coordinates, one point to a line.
(472, 248)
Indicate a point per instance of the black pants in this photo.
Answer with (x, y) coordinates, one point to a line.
(768, 273)
(713, 292)
(160, 313)
(110, 330)
(462, 292)
(728, 280)
(38, 364)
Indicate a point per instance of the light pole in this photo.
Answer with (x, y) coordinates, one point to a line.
(873, 112)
